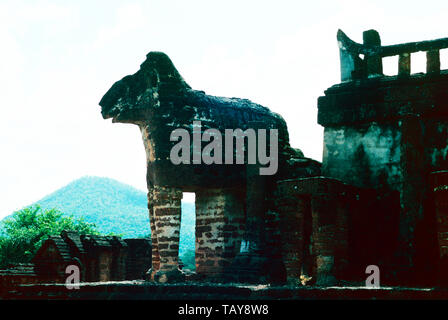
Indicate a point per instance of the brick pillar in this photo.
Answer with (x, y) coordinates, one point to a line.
(374, 64)
(325, 237)
(314, 212)
(119, 254)
(155, 260)
(105, 264)
(440, 189)
(219, 230)
(166, 217)
(341, 252)
(329, 211)
(291, 207)
(138, 259)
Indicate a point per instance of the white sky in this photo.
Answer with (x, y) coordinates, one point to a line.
(58, 58)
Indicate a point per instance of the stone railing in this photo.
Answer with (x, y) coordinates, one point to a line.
(361, 61)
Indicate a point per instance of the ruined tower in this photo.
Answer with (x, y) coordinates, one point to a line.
(389, 133)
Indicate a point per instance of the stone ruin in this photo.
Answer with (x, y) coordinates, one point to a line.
(99, 259)
(377, 198)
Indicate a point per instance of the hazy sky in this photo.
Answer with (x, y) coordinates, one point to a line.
(58, 58)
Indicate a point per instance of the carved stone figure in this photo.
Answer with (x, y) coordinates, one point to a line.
(230, 198)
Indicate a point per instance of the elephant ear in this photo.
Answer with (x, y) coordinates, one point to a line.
(159, 71)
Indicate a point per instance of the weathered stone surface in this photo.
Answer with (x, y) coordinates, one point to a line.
(99, 258)
(389, 133)
(158, 100)
(439, 185)
(314, 229)
(328, 230)
(138, 259)
(165, 227)
(220, 223)
(139, 290)
(370, 203)
(353, 67)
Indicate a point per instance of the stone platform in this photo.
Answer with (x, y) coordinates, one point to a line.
(141, 290)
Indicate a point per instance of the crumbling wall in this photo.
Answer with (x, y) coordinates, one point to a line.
(364, 155)
(439, 186)
(329, 231)
(314, 228)
(99, 258)
(389, 133)
(138, 259)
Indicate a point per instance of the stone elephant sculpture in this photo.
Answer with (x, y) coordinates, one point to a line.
(230, 198)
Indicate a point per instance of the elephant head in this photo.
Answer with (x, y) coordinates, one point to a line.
(136, 97)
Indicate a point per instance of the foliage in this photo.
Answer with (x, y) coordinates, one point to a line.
(113, 207)
(24, 231)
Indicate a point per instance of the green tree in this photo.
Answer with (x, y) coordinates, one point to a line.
(22, 234)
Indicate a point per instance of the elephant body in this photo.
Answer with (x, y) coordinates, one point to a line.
(158, 100)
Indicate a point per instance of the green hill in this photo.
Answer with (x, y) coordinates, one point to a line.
(114, 207)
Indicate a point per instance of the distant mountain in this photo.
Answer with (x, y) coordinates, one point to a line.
(114, 207)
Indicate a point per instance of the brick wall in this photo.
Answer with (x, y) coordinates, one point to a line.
(219, 230)
(440, 189)
(138, 260)
(332, 231)
(314, 228)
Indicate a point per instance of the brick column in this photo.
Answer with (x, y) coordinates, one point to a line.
(155, 259)
(138, 259)
(219, 230)
(166, 217)
(119, 254)
(440, 190)
(324, 202)
(105, 264)
(324, 217)
(291, 208)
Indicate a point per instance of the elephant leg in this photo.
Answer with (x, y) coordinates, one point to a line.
(219, 229)
(252, 262)
(256, 209)
(166, 217)
(155, 259)
(256, 205)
